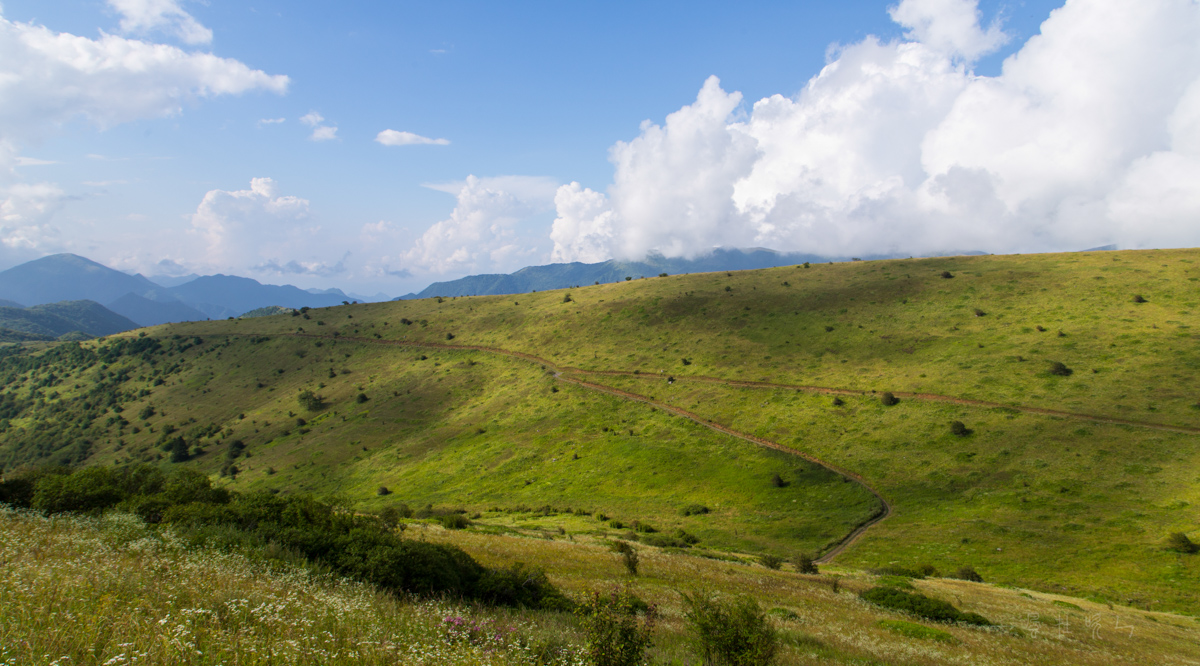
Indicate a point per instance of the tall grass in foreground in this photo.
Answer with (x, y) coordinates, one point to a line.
(112, 591)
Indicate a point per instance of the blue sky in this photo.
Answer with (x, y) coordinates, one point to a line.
(541, 93)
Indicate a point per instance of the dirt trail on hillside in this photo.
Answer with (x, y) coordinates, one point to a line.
(884, 510)
(932, 397)
(562, 373)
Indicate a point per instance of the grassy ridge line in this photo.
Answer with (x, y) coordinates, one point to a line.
(933, 397)
(885, 508)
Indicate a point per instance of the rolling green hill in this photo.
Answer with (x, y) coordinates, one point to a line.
(54, 320)
(1071, 478)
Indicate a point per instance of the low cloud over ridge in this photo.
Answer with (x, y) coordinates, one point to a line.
(1090, 135)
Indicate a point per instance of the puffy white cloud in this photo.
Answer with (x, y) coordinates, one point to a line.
(484, 231)
(141, 16)
(1089, 135)
(25, 213)
(583, 230)
(390, 137)
(244, 228)
(48, 78)
(950, 26)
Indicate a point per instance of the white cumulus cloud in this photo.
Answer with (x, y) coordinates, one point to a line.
(484, 231)
(390, 137)
(1089, 135)
(239, 229)
(951, 26)
(48, 78)
(142, 16)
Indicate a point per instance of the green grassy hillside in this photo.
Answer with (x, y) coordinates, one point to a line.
(135, 594)
(1057, 502)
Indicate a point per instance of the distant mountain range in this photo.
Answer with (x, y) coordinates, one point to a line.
(559, 276)
(135, 300)
(66, 294)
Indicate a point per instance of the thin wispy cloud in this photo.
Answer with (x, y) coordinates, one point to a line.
(390, 137)
(321, 132)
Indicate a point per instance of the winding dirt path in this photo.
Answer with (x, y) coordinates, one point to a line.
(884, 510)
(563, 373)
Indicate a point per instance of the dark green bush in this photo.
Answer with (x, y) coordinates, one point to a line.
(920, 605)
(967, 573)
(362, 547)
(521, 586)
(919, 572)
(730, 633)
(1180, 543)
(1137, 298)
(777, 481)
(311, 401)
(361, 398)
(838, 402)
(639, 526)
(454, 521)
(693, 510)
(947, 274)
(959, 429)
(87, 490)
(770, 561)
(888, 399)
(805, 564)
(1058, 368)
(629, 556)
(614, 634)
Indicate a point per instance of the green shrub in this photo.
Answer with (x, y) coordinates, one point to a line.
(888, 399)
(920, 605)
(454, 521)
(311, 401)
(1180, 543)
(639, 526)
(521, 586)
(919, 572)
(805, 564)
(770, 561)
(967, 573)
(947, 274)
(87, 490)
(1137, 298)
(629, 556)
(777, 481)
(959, 429)
(693, 510)
(1058, 368)
(838, 402)
(730, 633)
(361, 398)
(614, 634)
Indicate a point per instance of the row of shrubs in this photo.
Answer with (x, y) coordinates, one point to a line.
(361, 547)
(922, 571)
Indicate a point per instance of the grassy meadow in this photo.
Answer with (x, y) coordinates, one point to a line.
(114, 591)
